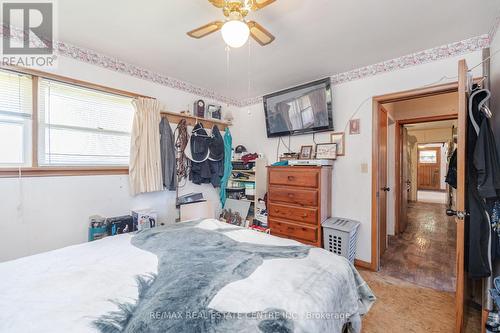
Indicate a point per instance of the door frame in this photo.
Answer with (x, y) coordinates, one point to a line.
(377, 102)
(382, 225)
(461, 87)
(398, 151)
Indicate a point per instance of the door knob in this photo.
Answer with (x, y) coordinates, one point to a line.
(386, 189)
(451, 212)
(459, 214)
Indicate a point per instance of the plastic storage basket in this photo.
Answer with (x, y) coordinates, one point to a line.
(340, 236)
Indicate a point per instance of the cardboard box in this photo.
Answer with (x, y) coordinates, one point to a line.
(144, 219)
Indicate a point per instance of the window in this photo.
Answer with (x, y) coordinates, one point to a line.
(81, 126)
(15, 119)
(427, 156)
(75, 128)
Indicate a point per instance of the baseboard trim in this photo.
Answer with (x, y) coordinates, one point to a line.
(363, 264)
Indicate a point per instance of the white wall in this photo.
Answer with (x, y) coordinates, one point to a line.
(52, 212)
(351, 187)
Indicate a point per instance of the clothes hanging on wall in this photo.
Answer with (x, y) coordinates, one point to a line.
(181, 142)
(216, 156)
(228, 166)
(167, 149)
(483, 186)
(451, 175)
(207, 155)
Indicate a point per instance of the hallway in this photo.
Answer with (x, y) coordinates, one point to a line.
(425, 253)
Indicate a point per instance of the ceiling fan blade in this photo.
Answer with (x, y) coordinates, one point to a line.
(217, 3)
(259, 4)
(261, 35)
(207, 29)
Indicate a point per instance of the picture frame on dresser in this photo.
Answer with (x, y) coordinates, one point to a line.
(306, 152)
(339, 139)
(326, 151)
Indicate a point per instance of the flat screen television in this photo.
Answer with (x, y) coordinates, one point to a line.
(300, 110)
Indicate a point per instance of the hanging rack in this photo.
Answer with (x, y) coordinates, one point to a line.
(175, 118)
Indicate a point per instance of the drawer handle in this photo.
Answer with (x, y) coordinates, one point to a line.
(291, 195)
(291, 178)
(304, 215)
(291, 228)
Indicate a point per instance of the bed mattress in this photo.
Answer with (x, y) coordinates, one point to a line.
(200, 276)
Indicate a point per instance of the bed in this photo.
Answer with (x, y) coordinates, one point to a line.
(198, 276)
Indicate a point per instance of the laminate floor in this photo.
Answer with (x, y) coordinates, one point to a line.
(425, 253)
(403, 307)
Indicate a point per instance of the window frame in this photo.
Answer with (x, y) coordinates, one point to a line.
(35, 170)
(23, 120)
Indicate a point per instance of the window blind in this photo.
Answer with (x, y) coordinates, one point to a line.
(15, 119)
(81, 126)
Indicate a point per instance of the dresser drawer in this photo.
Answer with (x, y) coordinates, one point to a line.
(293, 231)
(293, 176)
(304, 215)
(296, 196)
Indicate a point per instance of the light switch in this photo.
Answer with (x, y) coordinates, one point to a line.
(364, 167)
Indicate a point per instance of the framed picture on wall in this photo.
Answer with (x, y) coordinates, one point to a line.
(326, 151)
(306, 153)
(339, 139)
(354, 126)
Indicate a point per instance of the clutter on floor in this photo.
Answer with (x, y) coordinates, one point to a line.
(196, 210)
(100, 227)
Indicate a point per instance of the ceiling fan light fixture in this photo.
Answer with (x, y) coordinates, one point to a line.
(235, 33)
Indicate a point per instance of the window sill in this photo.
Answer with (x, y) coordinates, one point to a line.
(62, 171)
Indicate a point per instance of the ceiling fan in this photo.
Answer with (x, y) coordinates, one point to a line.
(235, 29)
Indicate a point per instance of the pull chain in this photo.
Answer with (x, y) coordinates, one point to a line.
(228, 52)
(249, 74)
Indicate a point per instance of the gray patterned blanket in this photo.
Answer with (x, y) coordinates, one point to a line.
(195, 264)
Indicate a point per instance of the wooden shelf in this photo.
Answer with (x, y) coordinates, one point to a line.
(175, 118)
(259, 178)
(242, 180)
(247, 200)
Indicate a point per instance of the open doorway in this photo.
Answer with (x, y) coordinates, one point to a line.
(431, 148)
(421, 238)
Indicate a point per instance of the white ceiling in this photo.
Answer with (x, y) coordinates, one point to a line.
(314, 38)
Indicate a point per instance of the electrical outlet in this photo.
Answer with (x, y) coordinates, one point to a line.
(364, 167)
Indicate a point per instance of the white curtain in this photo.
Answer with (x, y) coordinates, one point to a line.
(145, 161)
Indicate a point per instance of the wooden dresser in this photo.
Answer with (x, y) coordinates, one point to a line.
(299, 200)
